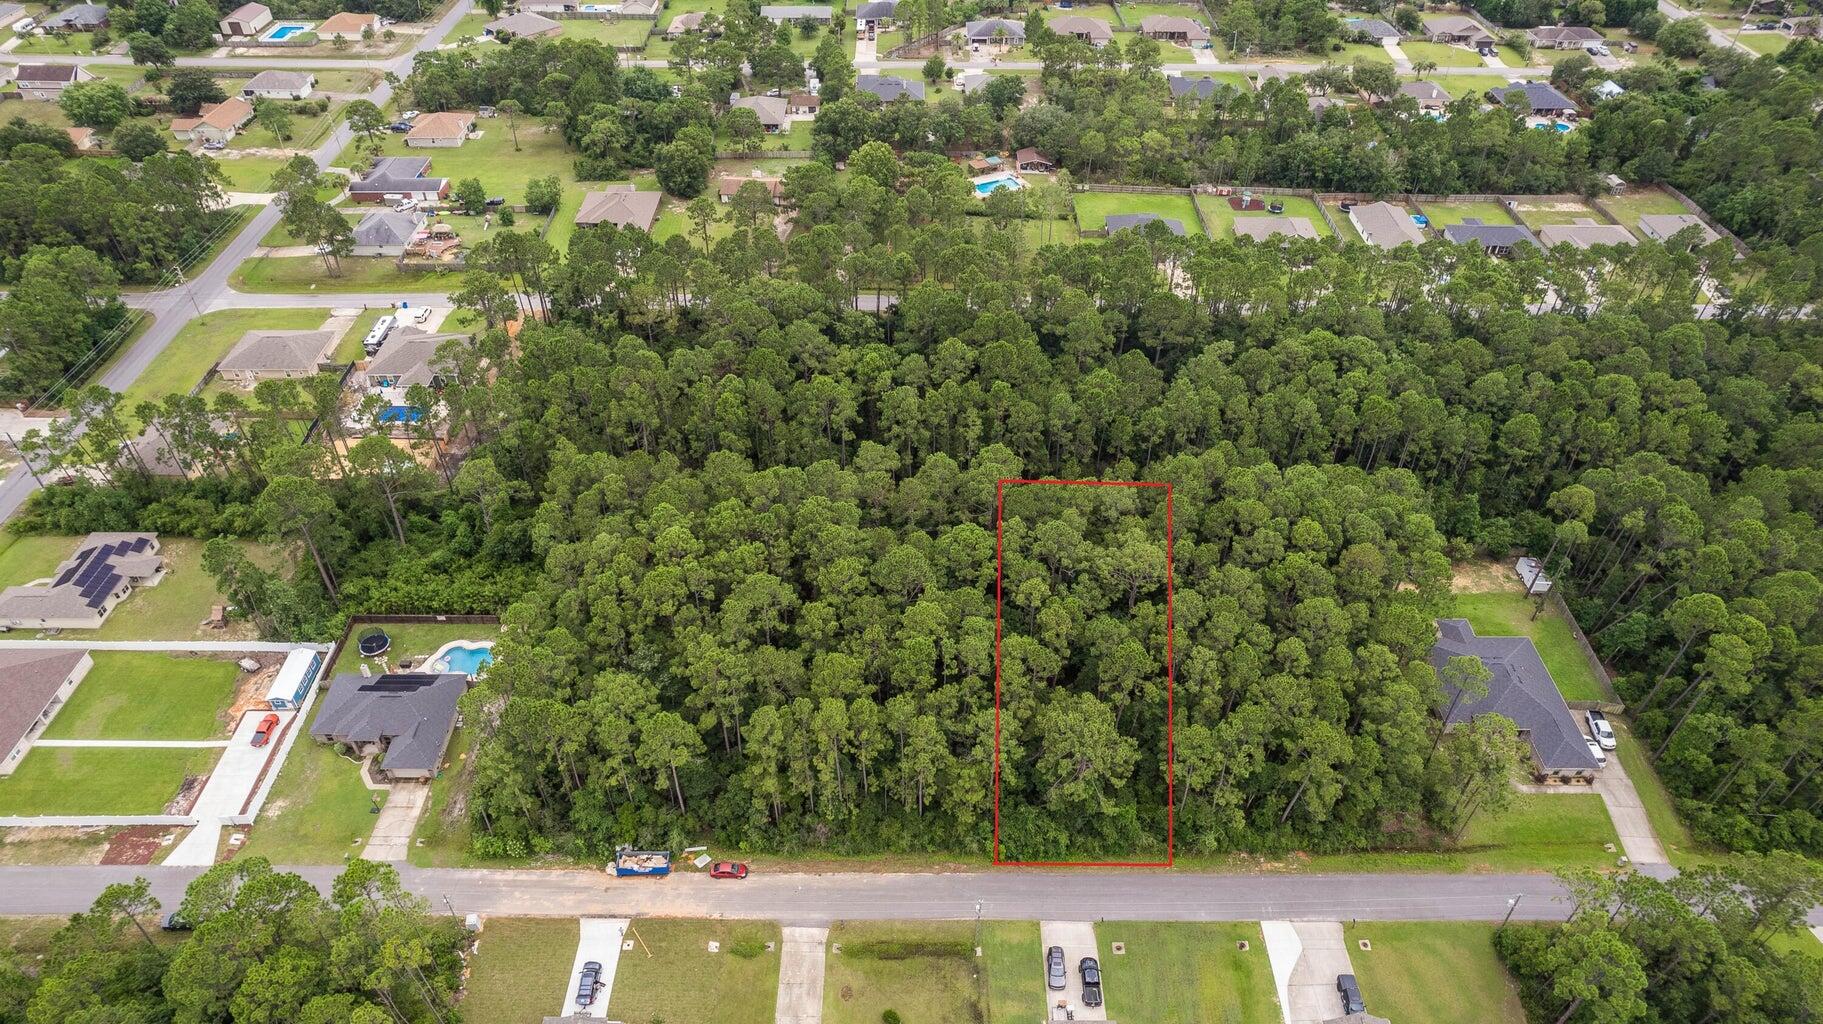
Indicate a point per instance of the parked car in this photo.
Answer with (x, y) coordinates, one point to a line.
(405, 206)
(264, 731)
(400, 126)
(587, 982)
(1596, 50)
(214, 147)
(1601, 759)
(1055, 972)
(171, 922)
(1601, 730)
(1485, 51)
(409, 115)
(727, 869)
(1090, 970)
(493, 201)
(418, 316)
(1351, 994)
(485, 111)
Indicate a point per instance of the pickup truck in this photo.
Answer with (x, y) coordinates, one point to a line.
(628, 861)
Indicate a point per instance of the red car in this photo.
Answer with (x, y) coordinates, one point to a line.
(267, 726)
(727, 869)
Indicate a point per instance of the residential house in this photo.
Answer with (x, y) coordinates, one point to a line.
(876, 14)
(621, 206)
(1608, 89)
(1136, 221)
(639, 9)
(86, 587)
(779, 14)
(246, 21)
(523, 25)
(83, 139)
(684, 23)
(889, 87)
(1093, 31)
(401, 719)
(771, 110)
(275, 355)
(1385, 225)
(1430, 96)
(47, 81)
(1541, 99)
(1456, 30)
(34, 685)
(970, 80)
(731, 183)
(400, 177)
(995, 31)
(1271, 74)
(803, 103)
(1565, 37)
(447, 129)
(1584, 234)
(1320, 105)
(1171, 28)
(348, 25)
(1186, 87)
(386, 232)
(409, 357)
(1373, 30)
(1660, 227)
(215, 122)
(1520, 689)
(1030, 159)
(1494, 239)
(1262, 229)
(77, 18)
(280, 85)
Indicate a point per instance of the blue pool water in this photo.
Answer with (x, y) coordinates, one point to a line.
(285, 31)
(985, 187)
(468, 660)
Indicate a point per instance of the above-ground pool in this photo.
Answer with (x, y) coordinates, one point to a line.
(284, 32)
(469, 657)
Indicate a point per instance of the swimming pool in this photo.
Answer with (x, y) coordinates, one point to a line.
(284, 32)
(469, 657)
(988, 186)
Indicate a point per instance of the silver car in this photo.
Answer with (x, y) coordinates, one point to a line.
(1056, 973)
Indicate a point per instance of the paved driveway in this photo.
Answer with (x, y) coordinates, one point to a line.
(393, 828)
(1306, 957)
(1078, 940)
(801, 955)
(231, 783)
(599, 941)
(1629, 813)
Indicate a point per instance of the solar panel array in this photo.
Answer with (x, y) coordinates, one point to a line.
(399, 682)
(92, 570)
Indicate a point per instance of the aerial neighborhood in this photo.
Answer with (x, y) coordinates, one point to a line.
(911, 512)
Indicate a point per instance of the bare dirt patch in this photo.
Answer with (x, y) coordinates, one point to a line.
(136, 844)
(250, 692)
(186, 795)
(53, 844)
(1482, 577)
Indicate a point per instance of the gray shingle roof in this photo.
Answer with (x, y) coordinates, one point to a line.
(875, 10)
(1584, 234)
(1489, 235)
(1263, 228)
(281, 81)
(275, 351)
(384, 227)
(410, 356)
(398, 174)
(889, 88)
(1386, 225)
(523, 23)
(411, 712)
(1198, 88)
(28, 680)
(78, 16)
(1373, 28)
(771, 110)
(1123, 221)
(1542, 97)
(622, 207)
(1661, 226)
(987, 29)
(84, 582)
(1520, 689)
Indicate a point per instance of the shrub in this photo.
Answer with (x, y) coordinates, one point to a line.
(891, 1017)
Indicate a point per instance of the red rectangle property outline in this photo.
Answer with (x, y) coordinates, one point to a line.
(1170, 675)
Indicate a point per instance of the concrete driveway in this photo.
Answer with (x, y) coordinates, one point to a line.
(1628, 812)
(1078, 940)
(599, 941)
(801, 955)
(393, 828)
(1306, 957)
(229, 786)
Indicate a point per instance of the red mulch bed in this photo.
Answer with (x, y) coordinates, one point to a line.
(1243, 205)
(136, 844)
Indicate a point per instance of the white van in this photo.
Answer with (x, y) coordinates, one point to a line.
(24, 25)
(377, 336)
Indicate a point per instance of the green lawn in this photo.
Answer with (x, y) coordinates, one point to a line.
(1446, 56)
(1540, 832)
(317, 810)
(630, 32)
(306, 132)
(1444, 214)
(1094, 208)
(1186, 973)
(1433, 972)
(204, 341)
(501, 169)
(172, 610)
(1509, 613)
(70, 42)
(1361, 53)
(1459, 86)
(1801, 941)
(1629, 206)
(1345, 228)
(521, 970)
(359, 274)
(412, 640)
(1765, 43)
(1221, 217)
(100, 780)
(134, 695)
(250, 173)
(1132, 14)
(27, 558)
(681, 982)
(1013, 958)
(858, 988)
(444, 839)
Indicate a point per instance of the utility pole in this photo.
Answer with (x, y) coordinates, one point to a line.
(23, 458)
(1512, 905)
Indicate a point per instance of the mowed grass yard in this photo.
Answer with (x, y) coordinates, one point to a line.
(1013, 958)
(249, 173)
(318, 808)
(100, 780)
(501, 169)
(1683, 848)
(204, 341)
(147, 695)
(681, 982)
(1186, 973)
(172, 610)
(1540, 832)
(1221, 216)
(521, 970)
(1433, 972)
(859, 986)
(1094, 208)
(1629, 206)
(1445, 214)
(1445, 55)
(1509, 613)
(358, 274)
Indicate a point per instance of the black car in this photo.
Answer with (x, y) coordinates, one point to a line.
(1091, 995)
(1351, 994)
(588, 982)
(1486, 51)
(1090, 971)
(400, 127)
(1054, 969)
(493, 201)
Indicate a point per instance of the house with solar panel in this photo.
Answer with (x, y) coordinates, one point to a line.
(86, 587)
(403, 720)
